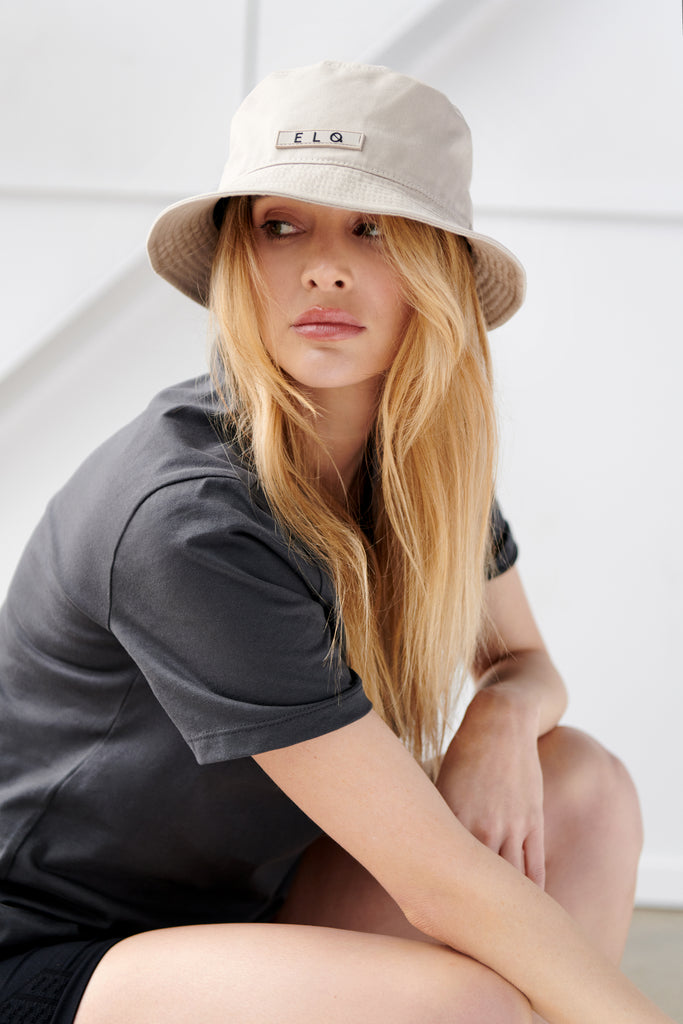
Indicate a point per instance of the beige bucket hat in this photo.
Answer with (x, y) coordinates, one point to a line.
(355, 136)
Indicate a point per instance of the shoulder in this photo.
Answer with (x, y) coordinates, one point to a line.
(171, 474)
(209, 525)
(194, 510)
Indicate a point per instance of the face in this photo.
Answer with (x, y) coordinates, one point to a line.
(335, 315)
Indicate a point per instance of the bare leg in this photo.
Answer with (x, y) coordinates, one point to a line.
(261, 973)
(593, 841)
(593, 836)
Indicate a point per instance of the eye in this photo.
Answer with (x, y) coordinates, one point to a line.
(366, 229)
(276, 229)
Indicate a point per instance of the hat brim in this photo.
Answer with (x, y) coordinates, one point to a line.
(182, 241)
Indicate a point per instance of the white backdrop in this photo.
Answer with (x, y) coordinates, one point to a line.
(109, 112)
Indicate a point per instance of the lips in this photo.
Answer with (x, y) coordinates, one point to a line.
(324, 323)
(323, 315)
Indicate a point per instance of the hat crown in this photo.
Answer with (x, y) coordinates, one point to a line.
(357, 116)
(354, 136)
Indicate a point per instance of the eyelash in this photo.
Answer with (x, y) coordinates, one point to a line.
(367, 224)
(268, 228)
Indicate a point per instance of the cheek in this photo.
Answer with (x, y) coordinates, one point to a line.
(398, 310)
(403, 313)
(274, 300)
(272, 284)
(276, 274)
(403, 317)
(392, 298)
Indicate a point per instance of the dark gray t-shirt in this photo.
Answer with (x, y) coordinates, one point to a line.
(159, 630)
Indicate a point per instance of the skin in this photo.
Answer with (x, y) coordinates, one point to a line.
(320, 258)
(422, 902)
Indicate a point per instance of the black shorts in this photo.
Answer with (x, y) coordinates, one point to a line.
(45, 985)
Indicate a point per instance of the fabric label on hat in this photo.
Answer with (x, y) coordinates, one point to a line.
(320, 137)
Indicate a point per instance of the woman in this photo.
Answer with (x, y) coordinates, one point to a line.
(185, 638)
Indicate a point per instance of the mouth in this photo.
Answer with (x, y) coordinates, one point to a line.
(325, 323)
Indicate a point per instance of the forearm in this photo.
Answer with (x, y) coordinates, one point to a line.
(526, 684)
(492, 913)
(491, 774)
(390, 818)
(512, 660)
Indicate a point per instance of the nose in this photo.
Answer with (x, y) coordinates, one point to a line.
(326, 268)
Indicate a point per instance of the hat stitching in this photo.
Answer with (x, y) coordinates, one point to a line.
(374, 171)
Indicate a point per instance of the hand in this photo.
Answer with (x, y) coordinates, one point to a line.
(491, 779)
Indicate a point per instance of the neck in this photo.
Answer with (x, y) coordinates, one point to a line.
(343, 422)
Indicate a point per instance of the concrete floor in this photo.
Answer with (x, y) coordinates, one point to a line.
(654, 958)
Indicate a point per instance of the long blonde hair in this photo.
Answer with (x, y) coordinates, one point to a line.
(411, 599)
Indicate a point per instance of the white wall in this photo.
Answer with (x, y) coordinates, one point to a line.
(589, 380)
(576, 113)
(97, 374)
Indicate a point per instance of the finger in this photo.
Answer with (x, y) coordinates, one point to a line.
(534, 857)
(485, 832)
(488, 837)
(513, 852)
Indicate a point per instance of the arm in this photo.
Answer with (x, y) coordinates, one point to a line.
(364, 790)
(491, 775)
(513, 657)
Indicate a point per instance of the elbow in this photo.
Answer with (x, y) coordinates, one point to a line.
(425, 912)
(561, 691)
(558, 695)
(565, 696)
(420, 915)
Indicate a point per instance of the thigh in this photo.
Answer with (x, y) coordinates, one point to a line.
(260, 973)
(333, 890)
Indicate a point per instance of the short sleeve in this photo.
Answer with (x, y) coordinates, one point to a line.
(231, 627)
(503, 546)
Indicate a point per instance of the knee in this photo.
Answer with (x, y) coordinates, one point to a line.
(588, 787)
(472, 995)
(495, 1001)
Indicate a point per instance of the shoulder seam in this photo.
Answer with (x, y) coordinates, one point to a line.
(229, 474)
